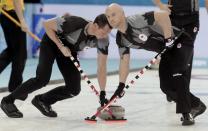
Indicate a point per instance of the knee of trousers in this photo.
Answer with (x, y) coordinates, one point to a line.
(72, 92)
(164, 90)
(76, 91)
(165, 82)
(40, 82)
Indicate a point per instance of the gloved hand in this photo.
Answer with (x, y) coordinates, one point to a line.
(169, 43)
(119, 91)
(103, 100)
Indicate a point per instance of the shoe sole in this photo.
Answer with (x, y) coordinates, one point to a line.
(39, 108)
(11, 116)
(188, 123)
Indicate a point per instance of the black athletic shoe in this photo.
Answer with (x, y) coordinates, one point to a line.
(10, 109)
(45, 109)
(198, 110)
(187, 119)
